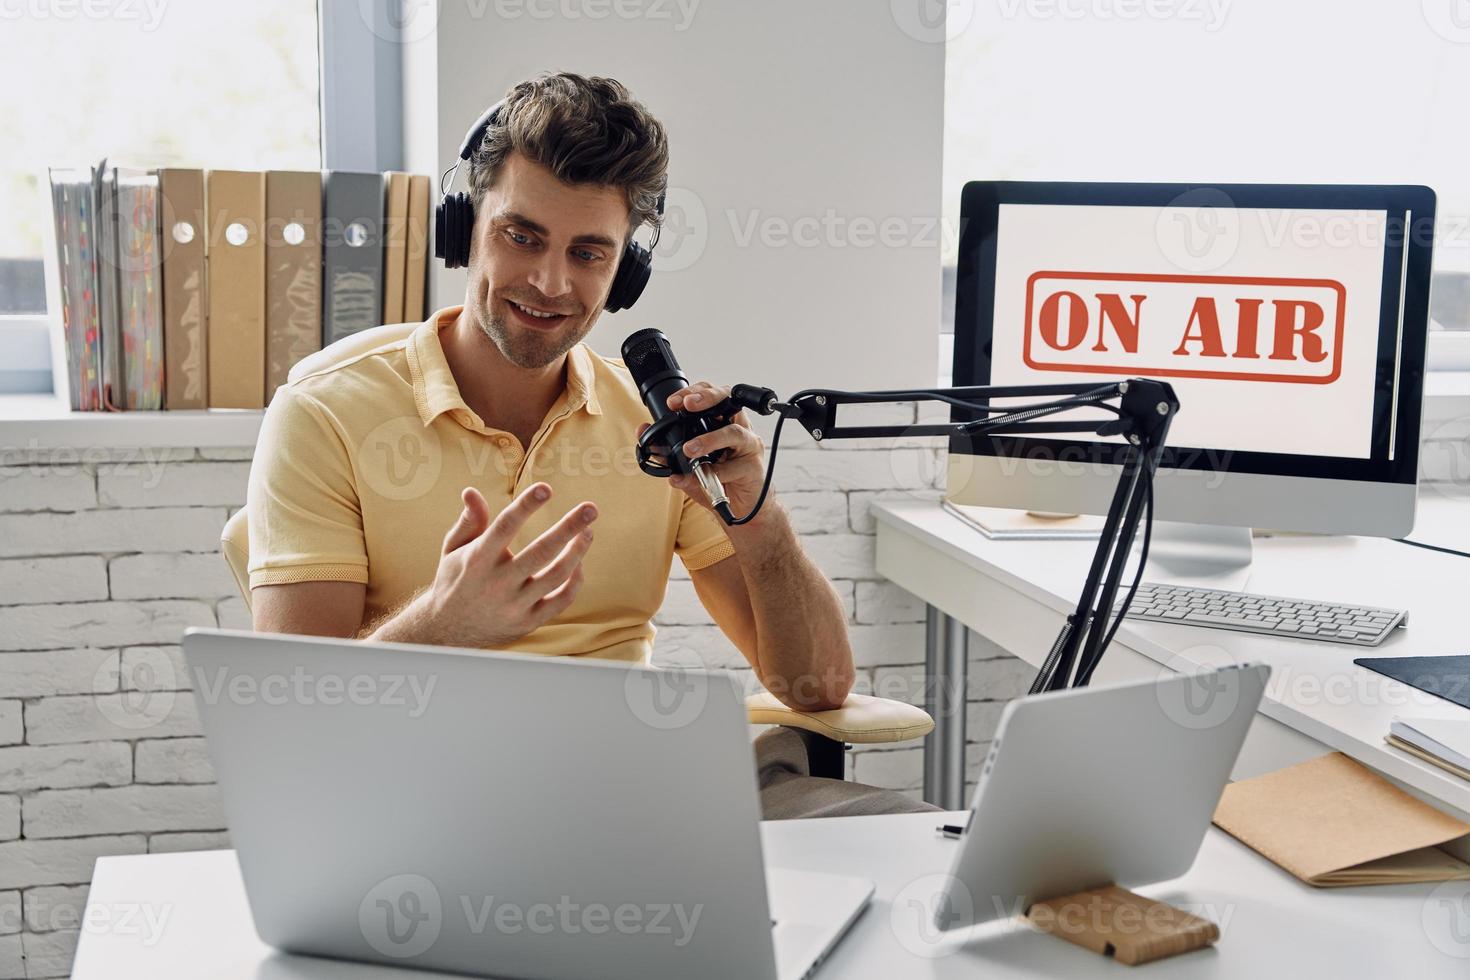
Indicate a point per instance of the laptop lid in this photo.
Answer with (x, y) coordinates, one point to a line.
(368, 793)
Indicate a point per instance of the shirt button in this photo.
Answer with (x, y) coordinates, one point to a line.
(502, 441)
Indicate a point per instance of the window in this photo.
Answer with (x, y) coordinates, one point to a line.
(194, 83)
(1223, 90)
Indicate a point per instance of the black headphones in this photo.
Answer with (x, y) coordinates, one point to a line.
(454, 221)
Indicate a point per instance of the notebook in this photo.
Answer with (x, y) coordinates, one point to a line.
(1445, 677)
(1444, 742)
(1332, 822)
(1001, 524)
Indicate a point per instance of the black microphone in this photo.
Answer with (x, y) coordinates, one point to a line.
(650, 359)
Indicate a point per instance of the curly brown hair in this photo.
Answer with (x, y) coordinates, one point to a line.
(585, 131)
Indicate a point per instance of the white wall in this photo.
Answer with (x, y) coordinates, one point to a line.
(776, 111)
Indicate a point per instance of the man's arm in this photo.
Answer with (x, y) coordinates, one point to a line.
(772, 602)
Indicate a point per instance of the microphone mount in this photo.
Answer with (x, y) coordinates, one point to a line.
(1140, 410)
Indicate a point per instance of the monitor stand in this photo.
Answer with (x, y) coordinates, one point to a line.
(1199, 554)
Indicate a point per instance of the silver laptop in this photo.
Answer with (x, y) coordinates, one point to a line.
(1110, 784)
(501, 814)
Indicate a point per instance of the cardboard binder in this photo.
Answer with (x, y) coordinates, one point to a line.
(182, 238)
(395, 184)
(416, 260)
(352, 254)
(293, 255)
(236, 264)
(1331, 822)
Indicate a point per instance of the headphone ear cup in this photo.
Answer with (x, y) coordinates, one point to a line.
(632, 276)
(454, 221)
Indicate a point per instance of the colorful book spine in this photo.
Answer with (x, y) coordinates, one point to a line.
(140, 295)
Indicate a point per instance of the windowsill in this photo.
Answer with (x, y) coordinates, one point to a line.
(45, 422)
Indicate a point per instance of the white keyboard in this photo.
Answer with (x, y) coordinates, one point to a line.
(1360, 625)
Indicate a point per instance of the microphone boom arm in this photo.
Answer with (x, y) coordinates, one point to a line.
(1142, 414)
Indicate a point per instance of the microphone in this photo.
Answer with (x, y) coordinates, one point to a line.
(650, 359)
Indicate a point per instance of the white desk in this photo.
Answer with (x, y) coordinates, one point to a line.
(1017, 593)
(1271, 924)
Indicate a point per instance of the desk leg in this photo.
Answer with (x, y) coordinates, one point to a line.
(946, 663)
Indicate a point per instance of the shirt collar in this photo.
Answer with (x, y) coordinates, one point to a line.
(436, 392)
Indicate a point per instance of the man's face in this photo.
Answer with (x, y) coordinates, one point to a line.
(543, 260)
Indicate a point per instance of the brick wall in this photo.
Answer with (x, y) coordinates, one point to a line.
(106, 556)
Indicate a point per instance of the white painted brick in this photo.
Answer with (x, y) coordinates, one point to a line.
(12, 730)
(30, 863)
(891, 769)
(885, 643)
(154, 669)
(50, 954)
(39, 673)
(100, 623)
(818, 469)
(858, 504)
(125, 809)
(170, 575)
(29, 767)
(842, 555)
(232, 612)
(681, 607)
(695, 646)
(10, 914)
(208, 841)
(12, 957)
(173, 760)
(90, 455)
(9, 821)
(227, 452)
(127, 715)
(884, 602)
(46, 488)
(815, 511)
(54, 907)
(900, 682)
(72, 579)
(981, 719)
(1000, 679)
(186, 484)
(110, 531)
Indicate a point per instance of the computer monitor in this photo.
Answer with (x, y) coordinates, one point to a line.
(1290, 319)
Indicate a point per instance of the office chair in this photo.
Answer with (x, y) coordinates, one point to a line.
(861, 719)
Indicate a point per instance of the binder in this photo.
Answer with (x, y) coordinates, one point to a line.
(109, 323)
(235, 263)
(75, 284)
(293, 255)
(1332, 823)
(416, 259)
(352, 254)
(183, 234)
(395, 185)
(140, 307)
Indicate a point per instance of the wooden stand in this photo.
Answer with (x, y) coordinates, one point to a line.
(1127, 927)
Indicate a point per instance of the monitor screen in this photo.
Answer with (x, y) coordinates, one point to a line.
(1290, 320)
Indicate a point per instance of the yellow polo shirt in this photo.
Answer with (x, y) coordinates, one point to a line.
(359, 467)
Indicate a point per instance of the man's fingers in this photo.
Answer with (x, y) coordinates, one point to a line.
(736, 438)
(698, 396)
(473, 520)
(555, 602)
(560, 569)
(536, 554)
(510, 520)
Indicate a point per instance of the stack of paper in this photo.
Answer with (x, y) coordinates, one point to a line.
(1444, 742)
(1002, 524)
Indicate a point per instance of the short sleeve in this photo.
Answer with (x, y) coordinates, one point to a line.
(304, 516)
(700, 541)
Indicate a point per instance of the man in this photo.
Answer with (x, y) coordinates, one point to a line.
(494, 422)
